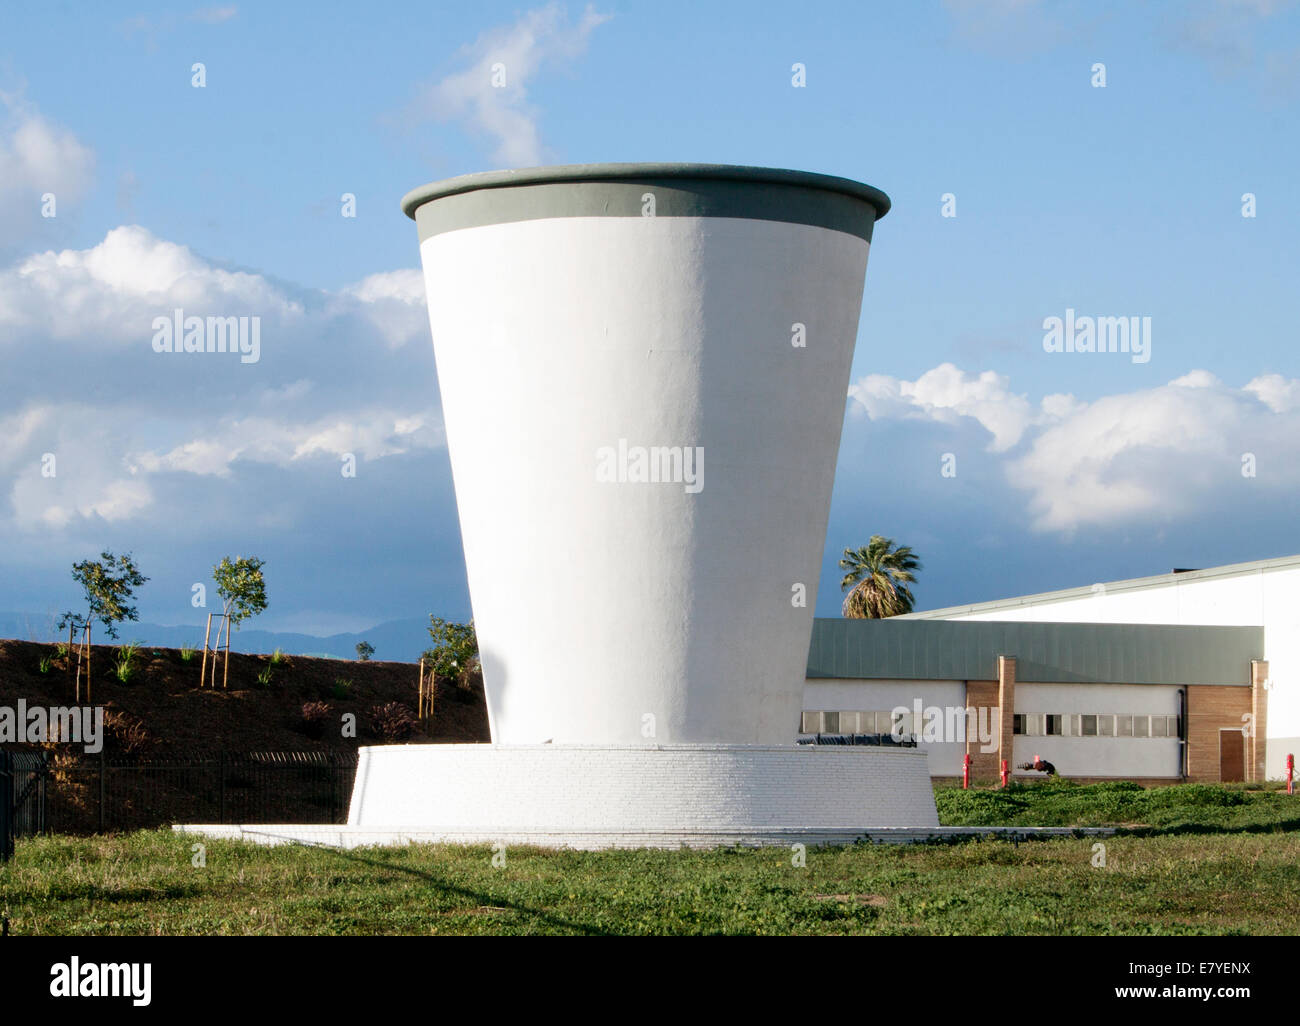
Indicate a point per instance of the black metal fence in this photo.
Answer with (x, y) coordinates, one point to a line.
(45, 793)
(878, 740)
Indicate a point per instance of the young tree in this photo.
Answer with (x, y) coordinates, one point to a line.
(243, 594)
(455, 649)
(364, 651)
(109, 583)
(241, 587)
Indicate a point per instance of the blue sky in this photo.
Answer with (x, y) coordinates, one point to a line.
(1070, 467)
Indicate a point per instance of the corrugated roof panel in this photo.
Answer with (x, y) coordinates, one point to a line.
(902, 649)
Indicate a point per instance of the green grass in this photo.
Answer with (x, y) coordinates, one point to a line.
(1195, 859)
(144, 883)
(1181, 808)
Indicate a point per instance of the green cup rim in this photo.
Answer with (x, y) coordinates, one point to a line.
(568, 173)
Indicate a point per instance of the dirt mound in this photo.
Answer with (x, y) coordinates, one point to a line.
(160, 711)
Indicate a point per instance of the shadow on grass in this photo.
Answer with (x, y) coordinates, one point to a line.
(1184, 829)
(483, 899)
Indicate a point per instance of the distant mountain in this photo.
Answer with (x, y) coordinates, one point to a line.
(394, 641)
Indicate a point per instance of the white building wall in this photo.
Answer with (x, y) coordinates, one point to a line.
(1083, 756)
(1267, 597)
(1097, 698)
(1099, 756)
(881, 695)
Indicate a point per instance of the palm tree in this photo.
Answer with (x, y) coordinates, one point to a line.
(877, 579)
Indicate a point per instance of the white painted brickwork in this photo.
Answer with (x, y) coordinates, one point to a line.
(645, 793)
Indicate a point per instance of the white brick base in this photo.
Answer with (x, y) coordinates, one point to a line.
(681, 794)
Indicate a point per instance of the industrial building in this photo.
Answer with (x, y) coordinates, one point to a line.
(1189, 675)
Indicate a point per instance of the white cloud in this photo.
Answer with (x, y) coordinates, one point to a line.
(214, 15)
(1160, 453)
(349, 371)
(490, 93)
(115, 289)
(37, 157)
(394, 304)
(1275, 392)
(947, 394)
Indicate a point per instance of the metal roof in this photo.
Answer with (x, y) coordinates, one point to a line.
(1050, 653)
(1131, 584)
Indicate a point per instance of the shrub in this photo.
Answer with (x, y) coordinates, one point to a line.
(46, 663)
(315, 715)
(278, 658)
(124, 671)
(342, 688)
(187, 654)
(392, 721)
(264, 678)
(127, 733)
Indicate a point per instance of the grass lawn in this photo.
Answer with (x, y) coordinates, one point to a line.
(1209, 860)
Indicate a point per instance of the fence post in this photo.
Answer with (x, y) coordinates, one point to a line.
(965, 772)
(6, 806)
(1004, 773)
(42, 820)
(103, 789)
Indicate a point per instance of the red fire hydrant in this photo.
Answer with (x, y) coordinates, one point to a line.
(1004, 772)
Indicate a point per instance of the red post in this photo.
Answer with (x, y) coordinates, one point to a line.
(965, 772)
(1004, 772)
(1290, 774)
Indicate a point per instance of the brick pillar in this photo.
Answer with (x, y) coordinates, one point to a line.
(1257, 743)
(1006, 710)
(982, 696)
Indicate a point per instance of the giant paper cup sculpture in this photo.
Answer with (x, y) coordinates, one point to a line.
(643, 371)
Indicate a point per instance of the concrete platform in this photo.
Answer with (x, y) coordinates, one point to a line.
(641, 791)
(348, 837)
(622, 796)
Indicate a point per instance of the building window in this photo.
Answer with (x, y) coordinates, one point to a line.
(1141, 726)
(1159, 726)
(1124, 726)
(1088, 726)
(1018, 723)
(812, 722)
(830, 723)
